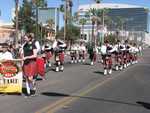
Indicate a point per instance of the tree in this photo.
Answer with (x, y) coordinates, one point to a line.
(82, 21)
(66, 8)
(40, 3)
(98, 1)
(27, 16)
(16, 23)
(111, 38)
(73, 33)
(97, 17)
(50, 23)
(94, 15)
(120, 22)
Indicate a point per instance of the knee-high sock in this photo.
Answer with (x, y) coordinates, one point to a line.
(28, 87)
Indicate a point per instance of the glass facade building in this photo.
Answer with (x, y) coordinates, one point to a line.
(134, 19)
(45, 14)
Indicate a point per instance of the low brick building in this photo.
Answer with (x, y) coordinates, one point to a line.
(7, 32)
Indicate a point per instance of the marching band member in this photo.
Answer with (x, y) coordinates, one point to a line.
(133, 51)
(29, 55)
(118, 55)
(73, 53)
(92, 54)
(48, 51)
(82, 51)
(59, 47)
(106, 51)
(127, 55)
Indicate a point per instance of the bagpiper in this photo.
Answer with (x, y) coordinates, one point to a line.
(74, 53)
(92, 51)
(119, 55)
(82, 52)
(48, 51)
(134, 53)
(106, 52)
(59, 47)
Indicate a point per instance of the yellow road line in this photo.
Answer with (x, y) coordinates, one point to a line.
(52, 108)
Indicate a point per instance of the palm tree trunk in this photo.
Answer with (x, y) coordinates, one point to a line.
(82, 29)
(65, 19)
(16, 10)
(93, 38)
(103, 19)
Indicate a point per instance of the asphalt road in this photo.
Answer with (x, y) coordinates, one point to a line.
(125, 92)
(83, 89)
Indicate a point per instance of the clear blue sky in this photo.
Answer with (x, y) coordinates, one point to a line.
(7, 5)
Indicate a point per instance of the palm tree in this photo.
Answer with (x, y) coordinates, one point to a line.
(82, 21)
(98, 1)
(120, 21)
(40, 3)
(94, 15)
(66, 8)
(97, 16)
(16, 12)
(50, 25)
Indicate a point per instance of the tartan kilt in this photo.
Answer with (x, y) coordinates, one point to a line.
(82, 54)
(94, 57)
(61, 56)
(40, 66)
(30, 69)
(131, 57)
(48, 55)
(108, 60)
(128, 56)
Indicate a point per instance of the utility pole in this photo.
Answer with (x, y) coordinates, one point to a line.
(16, 12)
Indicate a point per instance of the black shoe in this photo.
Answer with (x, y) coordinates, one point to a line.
(27, 95)
(33, 92)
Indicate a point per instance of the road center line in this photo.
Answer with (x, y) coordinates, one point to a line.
(67, 100)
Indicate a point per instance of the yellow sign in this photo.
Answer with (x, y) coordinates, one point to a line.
(10, 77)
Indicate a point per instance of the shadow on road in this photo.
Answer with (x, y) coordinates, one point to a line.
(144, 104)
(54, 94)
(99, 72)
(86, 64)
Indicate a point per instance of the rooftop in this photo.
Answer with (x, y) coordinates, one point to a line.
(107, 5)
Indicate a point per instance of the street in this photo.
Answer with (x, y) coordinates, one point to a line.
(82, 88)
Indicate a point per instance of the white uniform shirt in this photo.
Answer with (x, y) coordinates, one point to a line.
(38, 47)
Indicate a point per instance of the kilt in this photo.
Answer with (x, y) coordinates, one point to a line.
(30, 69)
(61, 56)
(94, 57)
(48, 55)
(82, 54)
(40, 66)
(108, 60)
